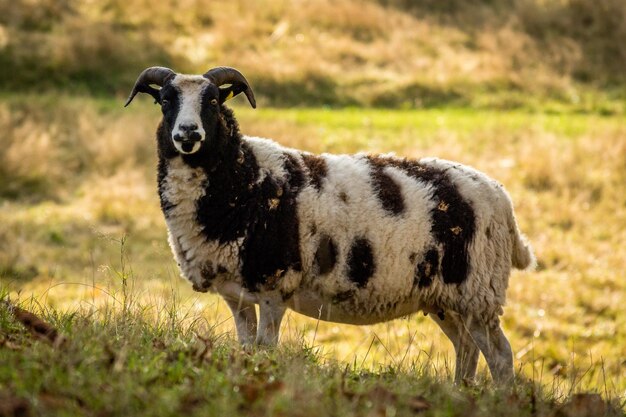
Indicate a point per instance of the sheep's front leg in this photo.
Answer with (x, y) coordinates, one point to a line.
(465, 349)
(271, 311)
(245, 320)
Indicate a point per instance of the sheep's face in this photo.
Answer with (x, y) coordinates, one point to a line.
(190, 105)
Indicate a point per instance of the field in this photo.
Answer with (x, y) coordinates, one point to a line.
(531, 92)
(82, 243)
(507, 54)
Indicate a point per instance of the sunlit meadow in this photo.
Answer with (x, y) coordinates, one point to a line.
(530, 92)
(87, 231)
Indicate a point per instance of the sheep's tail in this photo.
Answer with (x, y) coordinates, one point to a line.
(522, 256)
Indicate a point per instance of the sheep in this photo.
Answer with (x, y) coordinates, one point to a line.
(356, 239)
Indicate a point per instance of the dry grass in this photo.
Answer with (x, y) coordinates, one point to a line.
(93, 165)
(342, 52)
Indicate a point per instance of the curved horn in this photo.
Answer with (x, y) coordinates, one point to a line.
(228, 75)
(152, 75)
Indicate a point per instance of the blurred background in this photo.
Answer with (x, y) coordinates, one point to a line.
(531, 92)
(383, 53)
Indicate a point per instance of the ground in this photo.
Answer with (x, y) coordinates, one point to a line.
(83, 244)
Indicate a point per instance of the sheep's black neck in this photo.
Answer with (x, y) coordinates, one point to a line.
(235, 202)
(230, 169)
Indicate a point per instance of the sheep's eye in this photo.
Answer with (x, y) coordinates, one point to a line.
(164, 102)
(214, 101)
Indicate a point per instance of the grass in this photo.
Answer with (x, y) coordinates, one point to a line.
(159, 361)
(379, 53)
(82, 242)
(116, 363)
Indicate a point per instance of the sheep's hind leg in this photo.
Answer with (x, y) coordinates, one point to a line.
(245, 320)
(496, 348)
(465, 349)
(271, 313)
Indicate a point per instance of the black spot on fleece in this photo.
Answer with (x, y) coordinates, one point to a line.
(453, 218)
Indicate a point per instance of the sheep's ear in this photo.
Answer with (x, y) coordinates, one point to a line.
(232, 90)
(230, 82)
(153, 75)
(153, 92)
(147, 90)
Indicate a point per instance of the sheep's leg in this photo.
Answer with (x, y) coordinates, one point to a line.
(495, 346)
(245, 320)
(271, 313)
(465, 349)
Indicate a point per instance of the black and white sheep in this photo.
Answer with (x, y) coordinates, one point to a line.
(354, 239)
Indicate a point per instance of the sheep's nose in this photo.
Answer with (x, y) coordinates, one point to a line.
(187, 128)
(188, 136)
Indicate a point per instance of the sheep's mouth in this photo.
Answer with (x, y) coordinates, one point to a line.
(187, 146)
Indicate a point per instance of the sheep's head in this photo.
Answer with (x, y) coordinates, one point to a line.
(191, 103)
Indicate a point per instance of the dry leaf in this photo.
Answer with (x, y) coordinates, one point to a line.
(252, 391)
(418, 404)
(273, 203)
(384, 398)
(50, 401)
(583, 405)
(189, 402)
(14, 407)
(456, 230)
(380, 394)
(36, 326)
